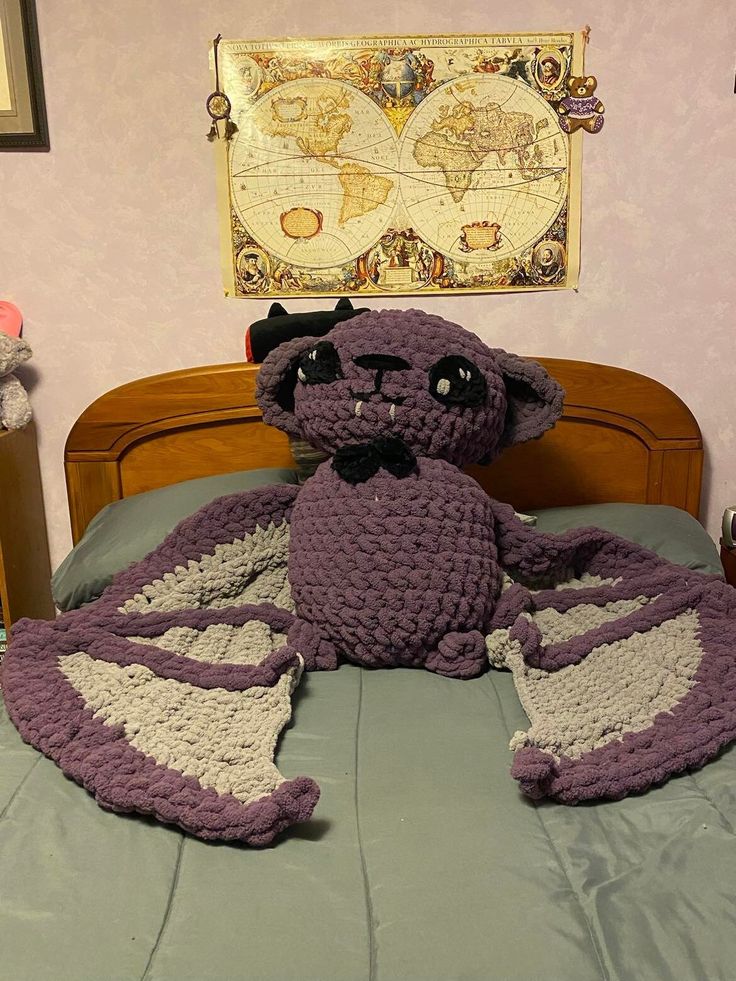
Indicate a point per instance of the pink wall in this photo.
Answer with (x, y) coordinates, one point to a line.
(109, 243)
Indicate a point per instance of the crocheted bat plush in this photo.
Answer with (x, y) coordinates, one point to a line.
(167, 695)
(393, 559)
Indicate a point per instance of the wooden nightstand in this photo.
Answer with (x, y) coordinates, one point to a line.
(728, 561)
(25, 570)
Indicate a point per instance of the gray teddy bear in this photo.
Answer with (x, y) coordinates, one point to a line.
(15, 409)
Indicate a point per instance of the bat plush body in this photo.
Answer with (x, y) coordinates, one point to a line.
(393, 557)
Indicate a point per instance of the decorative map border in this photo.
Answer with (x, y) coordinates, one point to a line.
(518, 56)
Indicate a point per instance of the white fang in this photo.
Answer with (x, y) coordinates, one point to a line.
(358, 408)
(392, 411)
(443, 386)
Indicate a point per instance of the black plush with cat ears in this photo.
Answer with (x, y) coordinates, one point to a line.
(279, 326)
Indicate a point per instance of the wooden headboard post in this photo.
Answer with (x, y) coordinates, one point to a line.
(622, 437)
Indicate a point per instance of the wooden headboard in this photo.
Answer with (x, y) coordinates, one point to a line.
(623, 437)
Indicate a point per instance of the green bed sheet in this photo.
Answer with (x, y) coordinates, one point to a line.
(423, 861)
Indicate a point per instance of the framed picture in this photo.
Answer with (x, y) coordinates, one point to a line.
(22, 104)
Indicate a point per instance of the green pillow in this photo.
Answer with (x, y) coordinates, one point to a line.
(672, 533)
(126, 530)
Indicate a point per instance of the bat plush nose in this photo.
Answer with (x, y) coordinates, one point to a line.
(381, 362)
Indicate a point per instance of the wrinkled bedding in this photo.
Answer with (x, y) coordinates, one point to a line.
(433, 868)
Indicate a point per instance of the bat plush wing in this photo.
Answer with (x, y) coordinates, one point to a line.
(622, 661)
(167, 695)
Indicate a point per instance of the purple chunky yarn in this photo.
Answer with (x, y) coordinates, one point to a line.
(399, 568)
(167, 695)
(521, 401)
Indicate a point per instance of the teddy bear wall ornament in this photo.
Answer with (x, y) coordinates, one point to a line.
(15, 409)
(581, 109)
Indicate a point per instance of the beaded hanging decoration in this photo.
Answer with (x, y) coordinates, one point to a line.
(218, 105)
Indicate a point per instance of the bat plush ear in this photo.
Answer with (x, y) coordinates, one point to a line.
(276, 383)
(534, 399)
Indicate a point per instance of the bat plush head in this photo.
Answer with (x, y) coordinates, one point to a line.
(411, 375)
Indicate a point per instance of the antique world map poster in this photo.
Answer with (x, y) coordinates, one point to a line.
(405, 165)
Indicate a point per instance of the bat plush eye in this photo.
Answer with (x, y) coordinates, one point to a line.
(319, 365)
(456, 381)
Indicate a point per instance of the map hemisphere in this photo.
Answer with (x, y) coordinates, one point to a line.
(493, 146)
(323, 145)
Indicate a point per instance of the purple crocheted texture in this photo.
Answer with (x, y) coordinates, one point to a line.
(51, 715)
(386, 567)
(694, 732)
(702, 722)
(420, 563)
(400, 570)
(552, 657)
(521, 401)
(102, 646)
(229, 518)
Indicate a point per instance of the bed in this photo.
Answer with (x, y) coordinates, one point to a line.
(406, 871)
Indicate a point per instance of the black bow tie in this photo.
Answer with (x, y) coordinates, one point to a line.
(360, 461)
